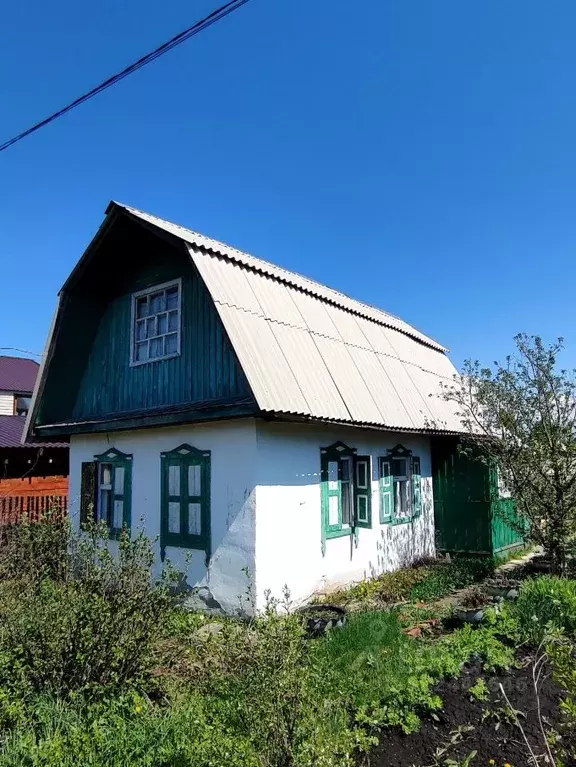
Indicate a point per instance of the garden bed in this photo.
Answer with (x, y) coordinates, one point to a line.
(466, 724)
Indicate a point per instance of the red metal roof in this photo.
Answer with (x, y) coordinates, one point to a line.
(17, 374)
(11, 429)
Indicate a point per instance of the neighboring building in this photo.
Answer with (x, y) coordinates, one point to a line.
(32, 476)
(269, 430)
(17, 379)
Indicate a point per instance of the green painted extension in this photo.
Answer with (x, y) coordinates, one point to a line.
(470, 514)
(185, 504)
(91, 382)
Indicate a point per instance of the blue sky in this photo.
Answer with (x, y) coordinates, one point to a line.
(419, 156)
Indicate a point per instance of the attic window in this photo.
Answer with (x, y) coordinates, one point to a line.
(156, 323)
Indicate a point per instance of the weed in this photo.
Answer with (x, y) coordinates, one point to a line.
(480, 690)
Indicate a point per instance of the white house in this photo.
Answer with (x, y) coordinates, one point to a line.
(267, 429)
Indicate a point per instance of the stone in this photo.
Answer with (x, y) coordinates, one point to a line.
(202, 600)
(208, 630)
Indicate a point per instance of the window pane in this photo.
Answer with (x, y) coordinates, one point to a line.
(151, 327)
(171, 344)
(172, 298)
(194, 487)
(142, 307)
(141, 352)
(362, 508)
(156, 348)
(141, 330)
(174, 480)
(106, 474)
(402, 499)
(346, 503)
(194, 519)
(333, 510)
(162, 324)
(104, 506)
(118, 515)
(333, 475)
(157, 302)
(399, 467)
(119, 480)
(173, 321)
(362, 474)
(346, 469)
(174, 517)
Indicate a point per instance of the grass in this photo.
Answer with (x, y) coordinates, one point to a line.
(388, 677)
(423, 582)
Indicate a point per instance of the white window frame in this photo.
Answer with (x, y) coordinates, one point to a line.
(147, 292)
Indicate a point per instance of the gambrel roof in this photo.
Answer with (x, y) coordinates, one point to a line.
(308, 350)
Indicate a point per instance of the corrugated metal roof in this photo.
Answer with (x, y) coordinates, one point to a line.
(11, 430)
(291, 278)
(17, 374)
(310, 351)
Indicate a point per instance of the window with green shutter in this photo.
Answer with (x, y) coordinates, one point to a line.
(386, 490)
(113, 490)
(185, 517)
(363, 491)
(346, 491)
(400, 484)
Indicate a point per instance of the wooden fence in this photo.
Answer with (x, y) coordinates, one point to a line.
(33, 497)
(34, 507)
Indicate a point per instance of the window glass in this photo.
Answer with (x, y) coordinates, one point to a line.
(156, 324)
(174, 517)
(194, 518)
(346, 490)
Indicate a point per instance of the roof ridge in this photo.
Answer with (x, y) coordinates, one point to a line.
(419, 336)
(16, 357)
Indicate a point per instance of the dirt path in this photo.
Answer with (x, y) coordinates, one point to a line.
(507, 568)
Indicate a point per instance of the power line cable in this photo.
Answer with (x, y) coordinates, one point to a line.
(199, 26)
(23, 351)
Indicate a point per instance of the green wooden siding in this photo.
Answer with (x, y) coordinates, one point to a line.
(469, 515)
(92, 378)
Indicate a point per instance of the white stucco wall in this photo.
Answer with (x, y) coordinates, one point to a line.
(288, 512)
(265, 505)
(233, 469)
(6, 403)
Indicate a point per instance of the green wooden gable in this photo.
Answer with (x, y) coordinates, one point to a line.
(90, 383)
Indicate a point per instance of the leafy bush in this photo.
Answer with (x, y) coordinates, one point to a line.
(126, 732)
(263, 681)
(561, 652)
(545, 604)
(82, 621)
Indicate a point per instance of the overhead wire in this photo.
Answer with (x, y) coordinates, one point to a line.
(199, 26)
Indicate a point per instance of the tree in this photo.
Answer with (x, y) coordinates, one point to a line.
(521, 417)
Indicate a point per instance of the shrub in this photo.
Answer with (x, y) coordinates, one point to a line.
(263, 681)
(546, 604)
(86, 624)
(126, 732)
